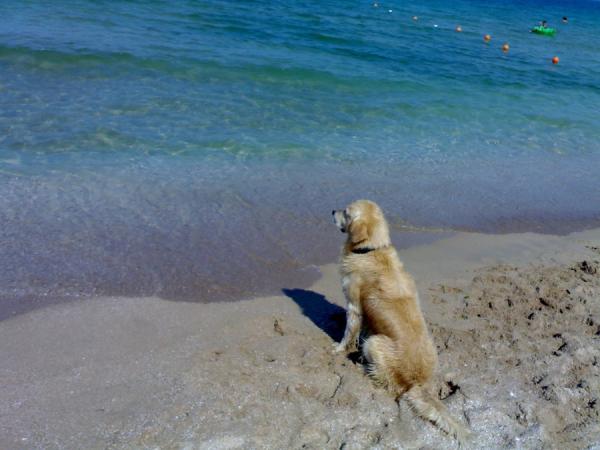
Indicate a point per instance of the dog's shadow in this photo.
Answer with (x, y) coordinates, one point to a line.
(328, 316)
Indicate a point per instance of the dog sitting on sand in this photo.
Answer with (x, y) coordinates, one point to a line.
(382, 298)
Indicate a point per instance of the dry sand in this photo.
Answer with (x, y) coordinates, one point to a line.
(516, 319)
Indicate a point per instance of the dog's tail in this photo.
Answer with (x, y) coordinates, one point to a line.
(430, 408)
(384, 357)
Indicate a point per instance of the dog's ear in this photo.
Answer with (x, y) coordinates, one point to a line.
(358, 231)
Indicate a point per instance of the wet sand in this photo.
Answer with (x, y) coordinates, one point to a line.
(516, 319)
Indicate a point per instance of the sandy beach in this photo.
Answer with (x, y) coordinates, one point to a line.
(515, 317)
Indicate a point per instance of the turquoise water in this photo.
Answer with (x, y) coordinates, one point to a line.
(194, 149)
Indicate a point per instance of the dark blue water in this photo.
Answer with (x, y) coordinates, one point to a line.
(193, 150)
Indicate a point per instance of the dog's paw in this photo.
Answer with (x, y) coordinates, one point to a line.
(339, 348)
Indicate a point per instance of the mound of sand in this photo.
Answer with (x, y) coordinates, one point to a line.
(524, 349)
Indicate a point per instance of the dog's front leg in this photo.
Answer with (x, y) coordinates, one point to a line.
(353, 318)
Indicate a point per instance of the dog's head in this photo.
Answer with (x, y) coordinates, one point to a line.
(365, 224)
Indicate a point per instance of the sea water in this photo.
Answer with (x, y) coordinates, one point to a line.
(194, 149)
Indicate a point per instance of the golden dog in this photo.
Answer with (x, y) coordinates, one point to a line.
(382, 298)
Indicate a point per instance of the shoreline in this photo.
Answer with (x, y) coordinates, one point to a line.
(145, 372)
(405, 237)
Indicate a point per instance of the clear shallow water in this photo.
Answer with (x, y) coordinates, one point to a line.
(194, 150)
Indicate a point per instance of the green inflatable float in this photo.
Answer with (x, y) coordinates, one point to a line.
(546, 31)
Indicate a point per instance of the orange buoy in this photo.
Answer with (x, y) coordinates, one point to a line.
(487, 38)
(458, 29)
(555, 60)
(505, 48)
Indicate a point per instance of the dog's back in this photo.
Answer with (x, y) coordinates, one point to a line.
(392, 314)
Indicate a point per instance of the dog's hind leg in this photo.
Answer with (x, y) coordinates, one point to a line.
(385, 367)
(382, 354)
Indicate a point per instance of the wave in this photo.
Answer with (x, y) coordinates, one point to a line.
(102, 64)
(54, 60)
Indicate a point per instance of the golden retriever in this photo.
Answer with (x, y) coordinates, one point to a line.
(383, 300)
